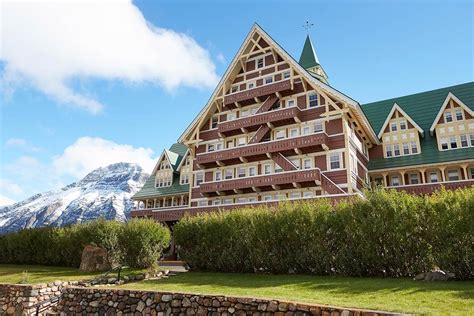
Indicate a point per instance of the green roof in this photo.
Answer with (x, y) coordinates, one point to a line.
(308, 58)
(423, 109)
(175, 154)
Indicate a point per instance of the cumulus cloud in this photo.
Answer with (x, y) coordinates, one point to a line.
(89, 153)
(20, 143)
(47, 44)
(27, 175)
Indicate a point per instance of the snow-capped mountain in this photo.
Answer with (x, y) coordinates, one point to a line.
(103, 193)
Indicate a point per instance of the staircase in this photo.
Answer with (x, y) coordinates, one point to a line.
(269, 102)
(261, 132)
(329, 186)
(283, 162)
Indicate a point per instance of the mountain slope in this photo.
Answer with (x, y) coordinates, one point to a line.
(104, 192)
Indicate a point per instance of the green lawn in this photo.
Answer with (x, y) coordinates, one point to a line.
(44, 274)
(401, 295)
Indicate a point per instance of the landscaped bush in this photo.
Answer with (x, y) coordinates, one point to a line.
(388, 233)
(63, 246)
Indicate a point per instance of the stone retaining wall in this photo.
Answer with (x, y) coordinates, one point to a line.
(18, 299)
(125, 302)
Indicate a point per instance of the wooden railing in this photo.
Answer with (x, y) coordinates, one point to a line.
(269, 102)
(426, 188)
(298, 176)
(258, 92)
(283, 162)
(263, 148)
(259, 119)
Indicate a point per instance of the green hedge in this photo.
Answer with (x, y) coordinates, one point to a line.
(388, 233)
(63, 246)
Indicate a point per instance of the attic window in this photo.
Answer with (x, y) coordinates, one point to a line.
(403, 125)
(448, 117)
(214, 121)
(260, 63)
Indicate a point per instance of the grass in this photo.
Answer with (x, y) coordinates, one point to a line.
(43, 274)
(398, 295)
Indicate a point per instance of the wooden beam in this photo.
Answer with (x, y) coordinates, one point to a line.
(296, 185)
(237, 191)
(244, 160)
(298, 151)
(275, 187)
(220, 163)
(255, 189)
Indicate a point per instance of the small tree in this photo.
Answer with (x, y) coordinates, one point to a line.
(142, 242)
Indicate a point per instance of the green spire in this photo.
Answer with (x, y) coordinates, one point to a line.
(308, 58)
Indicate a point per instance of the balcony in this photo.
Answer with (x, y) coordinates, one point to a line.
(288, 144)
(427, 188)
(298, 176)
(258, 92)
(274, 117)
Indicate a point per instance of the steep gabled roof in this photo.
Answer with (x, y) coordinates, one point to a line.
(450, 96)
(422, 108)
(303, 72)
(396, 107)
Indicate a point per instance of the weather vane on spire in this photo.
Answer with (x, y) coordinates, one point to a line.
(307, 26)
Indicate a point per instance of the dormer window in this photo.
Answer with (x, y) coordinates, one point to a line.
(286, 75)
(403, 125)
(234, 89)
(214, 121)
(313, 100)
(260, 63)
(459, 116)
(393, 127)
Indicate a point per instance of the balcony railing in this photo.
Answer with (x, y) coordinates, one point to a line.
(259, 119)
(297, 176)
(426, 188)
(258, 91)
(263, 148)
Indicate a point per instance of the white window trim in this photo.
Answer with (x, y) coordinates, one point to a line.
(341, 162)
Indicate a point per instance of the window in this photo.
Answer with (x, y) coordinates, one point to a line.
(459, 116)
(308, 194)
(210, 147)
(203, 203)
(252, 171)
(394, 181)
(295, 195)
(307, 163)
(250, 85)
(306, 130)
(217, 202)
(241, 172)
(252, 199)
(406, 149)
(241, 200)
(290, 103)
(234, 89)
(280, 134)
(396, 150)
(444, 143)
(228, 201)
(452, 142)
(453, 175)
(286, 75)
(403, 125)
(184, 178)
(471, 137)
(296, 163)
(214, 121)
(414, 148)
(241, 141)
(245, 113)
(268, 80)
(231, 116)
(313, 100)
(318, 127)
(229, 174)
(260, 63)
(267, 169)
(393, 127)
(267, 198)
(388, 151)
(230, 144)
(448, 117)
(472, 173)
(217, 175)
(278, 169)
(433, 177)
(335, 161)
(414, 178)
(464, 142)
(199, 178)
(294, 132)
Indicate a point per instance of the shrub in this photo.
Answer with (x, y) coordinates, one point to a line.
(142, 242)
(64, 246)
(388, 233)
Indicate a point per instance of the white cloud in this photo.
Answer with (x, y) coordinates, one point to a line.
(27, 175)
(89, 153)
(221, 58)
(4, 201)
(20, 143)
(49, 43)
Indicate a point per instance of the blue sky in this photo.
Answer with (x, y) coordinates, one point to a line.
(371, 50)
